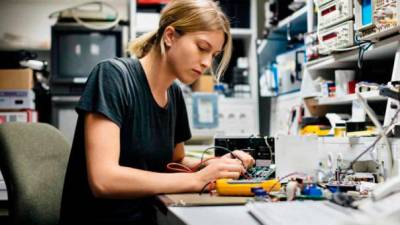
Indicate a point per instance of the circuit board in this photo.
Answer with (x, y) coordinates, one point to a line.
(259, 176)
(260, 173)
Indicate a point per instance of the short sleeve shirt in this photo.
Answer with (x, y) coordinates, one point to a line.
(118, 89)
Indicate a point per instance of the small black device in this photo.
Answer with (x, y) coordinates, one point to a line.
(10, 59)
(391, 91)
(262, 149)
(75, 50)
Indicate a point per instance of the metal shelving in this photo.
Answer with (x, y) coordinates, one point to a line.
(378, 51)
(295, 21)
(385, 49)
(348, 99)
(276, 42)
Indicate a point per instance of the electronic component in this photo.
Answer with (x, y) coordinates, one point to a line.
(311, 44)
(335, 12)
(354, 126)
(320, 3)
(243, 187)
(17, 99)
(375, 19)
(262, 149)
(261, 172)
(315, 129)
(341, 187)
(336, 37)
(75, 50)
(315, 125)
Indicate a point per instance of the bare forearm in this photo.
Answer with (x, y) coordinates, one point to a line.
(123, 182)
(190, 162)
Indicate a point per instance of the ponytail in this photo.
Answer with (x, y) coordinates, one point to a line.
(188, 16)
(143, 44)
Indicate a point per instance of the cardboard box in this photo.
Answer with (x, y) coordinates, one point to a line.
(315, 109)
(16, 79)
(204, 84)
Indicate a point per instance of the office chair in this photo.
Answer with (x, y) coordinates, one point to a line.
(33, 160)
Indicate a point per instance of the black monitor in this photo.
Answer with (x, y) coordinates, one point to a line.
(75, 50)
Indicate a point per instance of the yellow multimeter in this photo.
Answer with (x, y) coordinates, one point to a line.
(243, 187)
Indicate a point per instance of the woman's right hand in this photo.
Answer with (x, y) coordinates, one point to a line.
(217, 169)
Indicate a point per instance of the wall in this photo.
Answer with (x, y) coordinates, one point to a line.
(28, 21)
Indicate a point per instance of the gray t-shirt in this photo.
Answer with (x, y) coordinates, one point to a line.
(118, 89)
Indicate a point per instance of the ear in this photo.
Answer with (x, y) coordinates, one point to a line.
(169, 36)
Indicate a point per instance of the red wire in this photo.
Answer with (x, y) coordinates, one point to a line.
(178, 167)
(196, 167)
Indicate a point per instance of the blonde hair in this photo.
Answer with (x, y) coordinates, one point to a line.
(188, 16)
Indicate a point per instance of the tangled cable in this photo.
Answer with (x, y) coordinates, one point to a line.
(179, 167)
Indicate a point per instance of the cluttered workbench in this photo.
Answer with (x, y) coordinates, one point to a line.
(270, 194)
(194, 209)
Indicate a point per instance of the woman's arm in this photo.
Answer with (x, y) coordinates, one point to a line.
(108, 179)
(179, 157)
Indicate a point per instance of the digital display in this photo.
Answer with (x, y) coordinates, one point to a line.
(366, 12)
(81, 52)
(75, 50)
(329, 36)
(328, 10)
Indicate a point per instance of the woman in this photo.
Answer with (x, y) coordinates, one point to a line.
(133, 121)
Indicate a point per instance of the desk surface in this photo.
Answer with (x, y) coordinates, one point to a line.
(204, 209)
(281, 213)
(200, 215)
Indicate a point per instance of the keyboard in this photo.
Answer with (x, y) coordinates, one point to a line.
(299, 213)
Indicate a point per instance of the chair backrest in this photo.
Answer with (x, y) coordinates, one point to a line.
(33, 160)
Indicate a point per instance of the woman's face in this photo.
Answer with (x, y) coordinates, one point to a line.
(189, 55)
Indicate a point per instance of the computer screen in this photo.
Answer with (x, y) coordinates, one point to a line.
(76, 50)
(80, 52)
